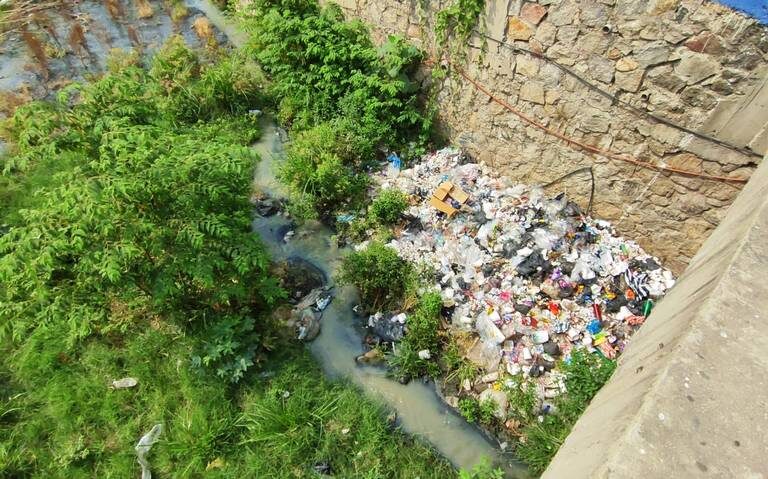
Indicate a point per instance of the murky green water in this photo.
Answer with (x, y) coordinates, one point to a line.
(420, 411)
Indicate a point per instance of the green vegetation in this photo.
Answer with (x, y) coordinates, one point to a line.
(388, 206)
(482, 470)
(422, 333)
(128, 253)
(71, 425)
(455, 23)
(585, 374)
(349, 98)
(381, 276)
(477, 411)
(148, 217)
(320, 167)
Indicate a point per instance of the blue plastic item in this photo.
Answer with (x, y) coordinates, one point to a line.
(594, 327)
(394, 160)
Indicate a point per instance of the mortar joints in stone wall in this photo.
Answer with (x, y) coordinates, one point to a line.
(616, 100)
(611, 155)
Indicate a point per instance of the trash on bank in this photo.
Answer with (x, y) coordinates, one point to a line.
(448, 198)
(124, 383)
(532, 277)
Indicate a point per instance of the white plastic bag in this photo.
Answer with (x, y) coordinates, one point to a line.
(143, 447)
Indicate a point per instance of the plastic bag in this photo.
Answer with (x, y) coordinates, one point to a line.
(489, 332)
(143, 447)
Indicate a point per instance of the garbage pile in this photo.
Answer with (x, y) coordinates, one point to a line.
(532, 276)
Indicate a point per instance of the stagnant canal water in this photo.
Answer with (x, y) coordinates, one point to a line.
(420, 411)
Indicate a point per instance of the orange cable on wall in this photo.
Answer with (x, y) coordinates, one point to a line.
(584, 146)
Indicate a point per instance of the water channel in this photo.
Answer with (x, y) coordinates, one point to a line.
(420, 411)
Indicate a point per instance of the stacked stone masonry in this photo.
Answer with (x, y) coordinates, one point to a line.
(695, 63)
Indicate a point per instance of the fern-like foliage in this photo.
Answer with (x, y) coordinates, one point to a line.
(151, 220)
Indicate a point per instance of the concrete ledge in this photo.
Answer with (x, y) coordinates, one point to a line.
(690, 395)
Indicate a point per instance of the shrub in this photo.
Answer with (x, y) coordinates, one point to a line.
(388, 206)
(350, 98)
(148, 217)
(585, 374)
(379, 273)
(320, 170)
(324, 67)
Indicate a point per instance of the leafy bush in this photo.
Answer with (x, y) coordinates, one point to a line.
(350, 98)
(379, 273)
(148, 218)
(388, 206)
(325, 67)
(477, 411)
(320, 169)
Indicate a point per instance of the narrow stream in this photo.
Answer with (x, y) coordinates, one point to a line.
(419, 409)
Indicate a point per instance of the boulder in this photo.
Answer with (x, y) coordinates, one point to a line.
(499, 398)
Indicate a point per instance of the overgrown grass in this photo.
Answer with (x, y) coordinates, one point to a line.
(59, 418)
(585, 374)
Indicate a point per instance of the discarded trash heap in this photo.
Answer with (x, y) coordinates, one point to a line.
(533, 277)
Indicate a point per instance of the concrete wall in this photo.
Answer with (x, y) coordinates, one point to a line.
(690, 395)
(694, 63)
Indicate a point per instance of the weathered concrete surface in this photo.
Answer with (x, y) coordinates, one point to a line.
(690, 395)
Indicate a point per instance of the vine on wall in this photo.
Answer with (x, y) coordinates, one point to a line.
(454, 24)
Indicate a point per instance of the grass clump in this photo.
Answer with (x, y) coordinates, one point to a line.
(422, 334)
(585, 374)
(322, 169)
(379, 273)
(60, 419)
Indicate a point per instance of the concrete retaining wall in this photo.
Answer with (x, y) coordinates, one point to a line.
(694, 63)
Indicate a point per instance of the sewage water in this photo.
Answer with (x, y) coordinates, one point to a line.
(420, 411)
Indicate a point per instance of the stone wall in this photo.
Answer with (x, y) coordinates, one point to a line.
(696, 64)
(688, 397)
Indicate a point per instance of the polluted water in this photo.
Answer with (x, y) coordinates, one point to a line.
(419, 410)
